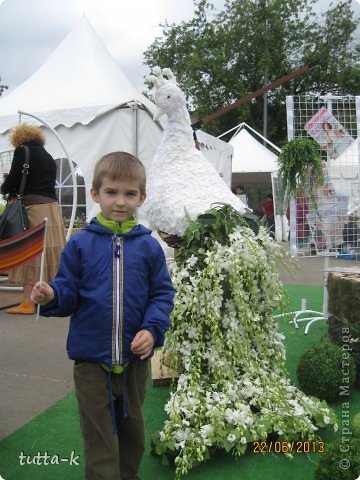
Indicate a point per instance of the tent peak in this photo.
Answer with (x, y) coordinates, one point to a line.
(80, 75)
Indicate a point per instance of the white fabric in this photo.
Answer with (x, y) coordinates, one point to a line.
(77, 83)
(250, 155)
(82, 93)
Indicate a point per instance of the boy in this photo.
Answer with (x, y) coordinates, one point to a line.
(114, 283)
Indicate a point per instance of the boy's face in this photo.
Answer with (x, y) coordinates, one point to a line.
(118, 199)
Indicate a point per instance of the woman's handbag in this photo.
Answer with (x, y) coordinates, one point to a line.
(14, 219)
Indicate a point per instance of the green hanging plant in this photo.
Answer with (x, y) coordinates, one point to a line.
(300, 168)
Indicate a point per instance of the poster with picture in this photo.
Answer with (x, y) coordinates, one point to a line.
(328, 132)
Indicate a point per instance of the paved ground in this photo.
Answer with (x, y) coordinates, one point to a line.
(34, 369)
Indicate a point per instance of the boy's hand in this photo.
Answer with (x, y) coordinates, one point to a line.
(43, 294)
(142, 344)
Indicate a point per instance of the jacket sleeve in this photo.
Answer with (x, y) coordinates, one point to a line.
(12, 182)
(65, 284)
(161, 295)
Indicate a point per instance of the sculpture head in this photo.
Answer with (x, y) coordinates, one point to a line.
(168, 95)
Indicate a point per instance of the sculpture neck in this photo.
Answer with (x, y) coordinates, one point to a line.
(178, 132)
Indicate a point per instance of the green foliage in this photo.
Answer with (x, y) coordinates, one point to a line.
(300, 167)
(355, 425)
(215, 225)
(2, 88)
(321, 371)
(333, 462)
(219, 57)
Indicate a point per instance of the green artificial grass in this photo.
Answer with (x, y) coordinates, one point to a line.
(56, 431)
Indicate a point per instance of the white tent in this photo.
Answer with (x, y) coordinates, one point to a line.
(82, 93)
(253, 162)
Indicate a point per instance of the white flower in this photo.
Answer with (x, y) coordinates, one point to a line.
(156, 71)
(206, 431)
(192, 332)
(234, 417)
(298, 409)
(326, 420)
(181, 435)
(231, 438)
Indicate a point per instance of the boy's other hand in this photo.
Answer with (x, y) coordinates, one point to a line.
(142, 344)
(42, 294)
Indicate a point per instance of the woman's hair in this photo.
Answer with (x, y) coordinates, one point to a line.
(25, 133)
(119, 166)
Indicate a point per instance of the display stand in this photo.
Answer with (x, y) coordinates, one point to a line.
(330, 225)
(315, 315)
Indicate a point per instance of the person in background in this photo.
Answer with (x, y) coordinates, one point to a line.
(41, 202)
(239, 191)
(268, 219)
(114, 283)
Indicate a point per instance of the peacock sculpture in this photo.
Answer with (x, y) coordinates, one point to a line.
(233, 392)
(180, 178)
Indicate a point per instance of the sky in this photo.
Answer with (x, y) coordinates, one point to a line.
(31, 30)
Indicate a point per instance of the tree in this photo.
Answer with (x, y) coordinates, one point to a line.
(219, 57)
(2, 87)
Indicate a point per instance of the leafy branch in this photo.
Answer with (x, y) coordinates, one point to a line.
(213, 226)
(300, 168)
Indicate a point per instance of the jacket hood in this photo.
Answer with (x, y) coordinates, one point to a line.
(95, 227)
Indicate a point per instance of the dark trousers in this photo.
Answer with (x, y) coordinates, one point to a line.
(109, 455)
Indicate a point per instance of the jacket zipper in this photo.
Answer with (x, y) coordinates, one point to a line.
(119, 300)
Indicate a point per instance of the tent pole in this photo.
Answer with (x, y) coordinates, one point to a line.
(231, 129)
(263, 138)
(243, 124)
(135, 108)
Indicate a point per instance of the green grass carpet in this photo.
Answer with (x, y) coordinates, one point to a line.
(56, 430)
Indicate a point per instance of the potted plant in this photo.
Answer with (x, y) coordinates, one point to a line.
(300, 167)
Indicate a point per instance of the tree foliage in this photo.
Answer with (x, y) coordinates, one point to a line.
(219, 57)
(2, 87)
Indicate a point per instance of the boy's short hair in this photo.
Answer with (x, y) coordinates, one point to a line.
(119, 166)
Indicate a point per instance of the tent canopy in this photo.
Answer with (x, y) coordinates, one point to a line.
(78, 82)
(251, 156)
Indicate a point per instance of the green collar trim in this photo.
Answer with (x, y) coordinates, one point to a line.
(116, 227)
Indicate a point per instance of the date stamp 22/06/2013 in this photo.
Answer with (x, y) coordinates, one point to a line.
(294, 446)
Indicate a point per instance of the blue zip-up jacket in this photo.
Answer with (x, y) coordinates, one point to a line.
(112, 286)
